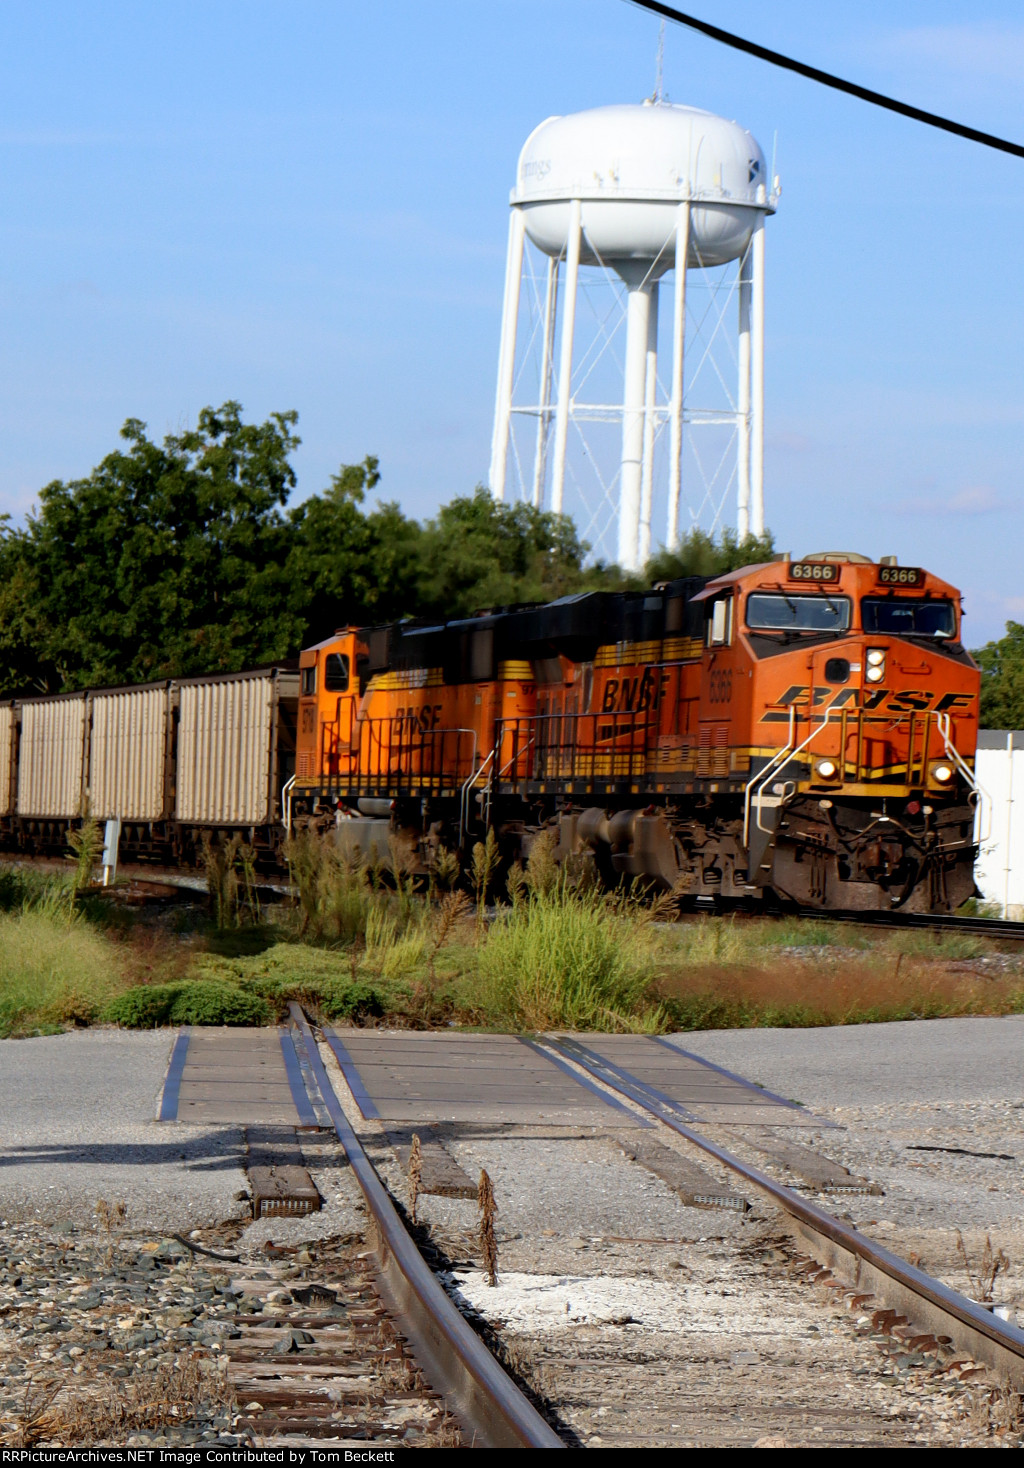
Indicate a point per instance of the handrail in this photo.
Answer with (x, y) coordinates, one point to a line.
(468, 784)
(779, 763)
(782, 757)
(286, 804)
(957, 759)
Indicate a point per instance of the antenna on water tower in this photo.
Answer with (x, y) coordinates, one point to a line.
(659, 74)
(612, 200)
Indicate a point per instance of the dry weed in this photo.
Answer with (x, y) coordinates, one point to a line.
(102, 1412)
(992, 1264)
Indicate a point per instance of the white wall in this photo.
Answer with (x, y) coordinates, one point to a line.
(999, 770)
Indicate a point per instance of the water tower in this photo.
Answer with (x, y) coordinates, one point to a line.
(620, 196)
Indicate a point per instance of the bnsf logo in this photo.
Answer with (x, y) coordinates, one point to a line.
(633, 695)
(906, 701)
(418, 720)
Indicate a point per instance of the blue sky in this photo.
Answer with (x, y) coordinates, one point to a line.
(304, 206)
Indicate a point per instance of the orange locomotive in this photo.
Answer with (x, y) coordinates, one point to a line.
(799, 730)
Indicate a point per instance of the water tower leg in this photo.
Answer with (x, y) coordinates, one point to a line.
(757, 382)
(638, 311)
(743, 401)
(507, 354)
(572, 272)
(540, 462)
(675, 471)
(650, 402)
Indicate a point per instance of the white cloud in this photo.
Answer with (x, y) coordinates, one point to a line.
(973, 499)
(988, 50)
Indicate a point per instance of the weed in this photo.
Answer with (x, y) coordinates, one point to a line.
(33, 1421)
(112, 1218)
(484, 865)
(444, 869)
(488, 1242)
(415, 1174)
(86, 843)
(170, 1395)
(993, 1262)
(222, 879)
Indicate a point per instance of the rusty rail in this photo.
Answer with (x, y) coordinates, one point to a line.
(495, 1413)
(933, 1304)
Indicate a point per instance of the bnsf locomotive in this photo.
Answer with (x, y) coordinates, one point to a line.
(797, 730)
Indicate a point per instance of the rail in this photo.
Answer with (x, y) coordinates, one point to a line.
(994, 1341)
(452, 1356)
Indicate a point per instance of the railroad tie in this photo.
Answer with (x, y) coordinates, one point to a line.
(820, 1172)
(278, 1180)
(440, 1174)
(696, 1188)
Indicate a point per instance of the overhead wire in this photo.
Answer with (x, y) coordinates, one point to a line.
(827, 79)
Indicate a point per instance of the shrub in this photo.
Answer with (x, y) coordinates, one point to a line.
(197, 1002)
(207, 1002)
(142, 1008)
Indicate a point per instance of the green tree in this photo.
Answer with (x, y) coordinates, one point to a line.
(346, 565)
(699, 554)
(1002, 680)
(165, 560)
(478, 552)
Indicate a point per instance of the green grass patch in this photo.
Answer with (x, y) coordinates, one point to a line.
(569, 960)
(55, 970)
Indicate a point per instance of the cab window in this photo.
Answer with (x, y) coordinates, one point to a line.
(908, 617)
(309, 681)
(719, 628)
(782, 612)
(336, 673)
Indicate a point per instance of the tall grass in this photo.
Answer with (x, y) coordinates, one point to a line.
(565, 959)
(869, 990)
(54, 970)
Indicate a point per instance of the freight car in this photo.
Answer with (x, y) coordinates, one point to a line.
(798, 730)
(175, 761)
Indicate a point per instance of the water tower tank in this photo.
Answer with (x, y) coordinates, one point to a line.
(637, 190)
(631, 166)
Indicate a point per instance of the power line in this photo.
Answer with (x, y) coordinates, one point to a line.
(826, 79)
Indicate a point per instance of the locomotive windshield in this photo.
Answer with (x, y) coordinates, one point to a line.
(781, 612)
(908, 618)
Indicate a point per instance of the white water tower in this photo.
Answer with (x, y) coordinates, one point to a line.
(619, 196)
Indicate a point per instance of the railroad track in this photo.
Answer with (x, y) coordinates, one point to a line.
(492, 1410)
(909, 1301)
(996, 928)
(366, 1340)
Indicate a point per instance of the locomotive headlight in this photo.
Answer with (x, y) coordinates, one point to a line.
(827, 769)
(875, 674)
(876, 657)
(942, 773)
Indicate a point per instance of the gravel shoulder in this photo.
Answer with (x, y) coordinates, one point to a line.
(932, 1110)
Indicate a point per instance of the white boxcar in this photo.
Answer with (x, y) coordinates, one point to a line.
(227, 760)
(6, 758)
(128, 753)
(51, 756)
(999, 770)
